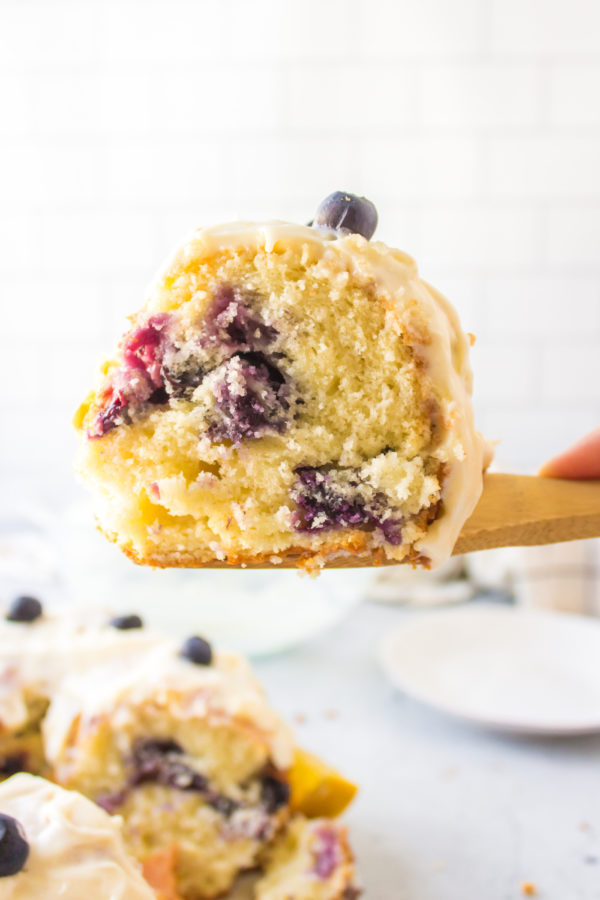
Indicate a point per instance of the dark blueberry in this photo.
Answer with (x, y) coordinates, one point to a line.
(13, 763)
(169, 770)
(347, 213)
(156, 747)
(24, 609)
(224, 805)
(113, 413)
(251, 398)
(325, 502)
(159, 397)
(126, 623)
(159, 761)
(331, 498)
(14, 848)
(274, 793)
(156, 760)
(182, 379)
(197, 650)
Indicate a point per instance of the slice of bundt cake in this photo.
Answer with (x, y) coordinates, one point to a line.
(185, 748)
(57, 845)
(177, 739)
(286, 394)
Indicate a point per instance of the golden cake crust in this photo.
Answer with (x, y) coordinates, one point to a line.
(337, 554)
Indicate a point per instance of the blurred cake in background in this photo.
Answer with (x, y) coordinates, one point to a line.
(186, 749)
(286, 394)
(180, 742)
(312, 859)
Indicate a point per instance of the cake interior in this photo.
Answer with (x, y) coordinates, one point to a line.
(310, 861)
(206, 791)
(264, 401)
(21, 748)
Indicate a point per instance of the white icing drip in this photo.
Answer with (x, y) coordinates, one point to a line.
(462, 448)
(76, 851)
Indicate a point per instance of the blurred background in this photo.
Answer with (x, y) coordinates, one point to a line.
(473, 125)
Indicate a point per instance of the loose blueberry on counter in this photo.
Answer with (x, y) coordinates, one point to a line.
(126, 623)
(24, 609)
(347, 213)
(274, 793)
(14, 848)
(197, 650)
(144, 747)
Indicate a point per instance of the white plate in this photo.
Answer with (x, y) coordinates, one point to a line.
(523, 671)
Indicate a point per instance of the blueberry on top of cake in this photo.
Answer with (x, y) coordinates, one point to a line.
(287, 393)
(56, 844)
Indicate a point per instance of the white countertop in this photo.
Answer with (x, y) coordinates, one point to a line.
(445, 812)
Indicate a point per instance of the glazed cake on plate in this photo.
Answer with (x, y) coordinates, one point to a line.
(56, 845)
(289, 394)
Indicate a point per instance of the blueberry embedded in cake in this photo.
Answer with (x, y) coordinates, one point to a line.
(310, 860)
(287, 393)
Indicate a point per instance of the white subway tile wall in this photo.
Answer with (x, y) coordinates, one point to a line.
(474, 125)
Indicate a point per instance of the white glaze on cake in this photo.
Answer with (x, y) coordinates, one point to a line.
(36, 656)
(76, 851)
(85, 667)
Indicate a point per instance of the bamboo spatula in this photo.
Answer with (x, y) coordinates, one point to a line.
(524, 510)
(514, 511)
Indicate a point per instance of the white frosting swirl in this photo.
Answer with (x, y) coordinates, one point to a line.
(76, 851)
